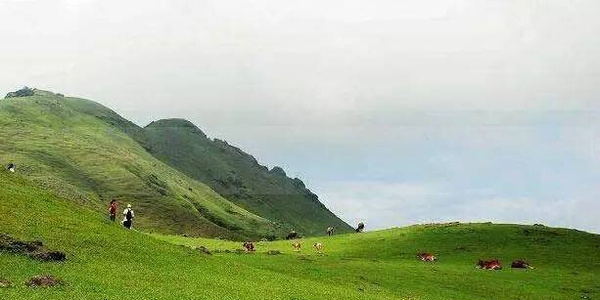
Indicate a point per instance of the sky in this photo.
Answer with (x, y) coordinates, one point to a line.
(394, 112)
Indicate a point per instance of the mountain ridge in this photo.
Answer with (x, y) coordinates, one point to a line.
(238, 176)
(75, 179)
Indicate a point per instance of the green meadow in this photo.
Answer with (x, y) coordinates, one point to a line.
(105, 261)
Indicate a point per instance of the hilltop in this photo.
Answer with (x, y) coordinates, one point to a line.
(239, 177)
(105, 261)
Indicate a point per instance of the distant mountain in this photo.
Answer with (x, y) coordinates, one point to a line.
(238, 177)
(86, 152)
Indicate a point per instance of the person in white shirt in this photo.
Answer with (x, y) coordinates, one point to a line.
(128, 216)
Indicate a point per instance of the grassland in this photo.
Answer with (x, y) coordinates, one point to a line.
(105, 261)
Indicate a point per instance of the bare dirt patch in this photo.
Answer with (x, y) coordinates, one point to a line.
(44, 281)
(5, 283)
(33, 249)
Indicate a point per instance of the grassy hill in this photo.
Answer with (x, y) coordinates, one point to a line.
(85, 152)
(238, 177)
(105, 261)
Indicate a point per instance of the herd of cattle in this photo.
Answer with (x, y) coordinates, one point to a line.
(493, 264)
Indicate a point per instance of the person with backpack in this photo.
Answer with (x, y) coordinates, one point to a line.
(330, 231)
(112, 210)
(129, 215)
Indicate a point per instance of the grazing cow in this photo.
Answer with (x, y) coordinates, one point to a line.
(424, 256)
(330, 231)
(493, 264)
(521, 264)
(296, 246)
(360, 228)
(318, 246)
(11, 167)
(292, 235)
(249, 246)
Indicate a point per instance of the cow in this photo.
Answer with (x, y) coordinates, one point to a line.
(493, 264)
(521, 264)
(249, 246)
(292, 235)
(11, 167)
(318, 246)
(425, 256)
(296, 246)
(360, 228)
(330, 231)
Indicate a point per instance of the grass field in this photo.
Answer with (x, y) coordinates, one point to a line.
(105, 261)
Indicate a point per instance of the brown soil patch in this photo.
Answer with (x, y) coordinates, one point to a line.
(4, 283)
(33, 249)
(44, 281)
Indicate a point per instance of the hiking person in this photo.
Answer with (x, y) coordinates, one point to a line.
(11, 167)
(128, 217)
(360, 228)
(112, 210)
(330, 231)
(292, 235)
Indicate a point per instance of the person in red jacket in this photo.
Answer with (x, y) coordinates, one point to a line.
(112, 210)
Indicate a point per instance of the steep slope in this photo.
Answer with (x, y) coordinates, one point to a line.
(238, 177)
(84, 152)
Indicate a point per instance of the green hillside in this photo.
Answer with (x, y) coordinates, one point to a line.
(87, 152)
(238, 177)
(84, 152)
(105, 261)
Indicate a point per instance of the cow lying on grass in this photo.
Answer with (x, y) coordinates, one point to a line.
(424, 256)
(249, 246)
(493, 264)
(521, 264)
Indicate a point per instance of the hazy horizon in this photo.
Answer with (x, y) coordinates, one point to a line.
(393, 112)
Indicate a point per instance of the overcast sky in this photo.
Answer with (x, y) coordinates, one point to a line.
(395, 112)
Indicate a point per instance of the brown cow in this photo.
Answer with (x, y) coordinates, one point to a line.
(424, 256)
(493, 264)
(318, 246)
(521, 264)
(249, 246)
(296, 246)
